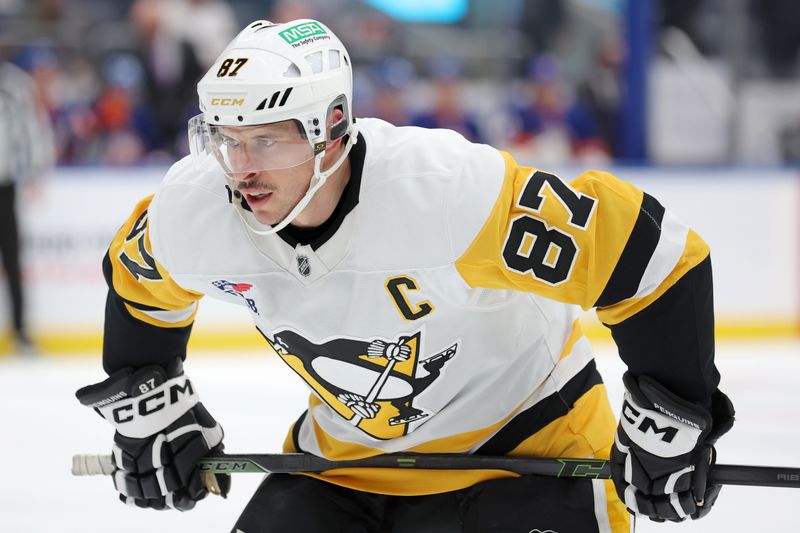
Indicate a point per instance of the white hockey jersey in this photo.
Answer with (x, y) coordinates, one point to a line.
(440, 316)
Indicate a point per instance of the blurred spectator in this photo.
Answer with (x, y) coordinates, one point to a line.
(548, 124)
(779, 20)
(391, 80)
(77, 128)
(681, 14)
(208, 25)
(125, 119)
(541, 22)
(26, 154)
(447, 109)
(706, 23)
(41, 63)
(789, 140)
(602, 90)
(118, 78)
(171, 71)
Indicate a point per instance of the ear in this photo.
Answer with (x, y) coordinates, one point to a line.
(336, 124)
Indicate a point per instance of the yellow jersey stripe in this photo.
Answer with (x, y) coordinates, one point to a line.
(140, 280)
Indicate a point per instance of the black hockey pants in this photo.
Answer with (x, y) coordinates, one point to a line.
(285, 502)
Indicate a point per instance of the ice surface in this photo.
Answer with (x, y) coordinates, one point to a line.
(256, 398)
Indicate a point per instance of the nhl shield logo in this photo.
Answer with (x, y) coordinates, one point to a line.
(303, 265)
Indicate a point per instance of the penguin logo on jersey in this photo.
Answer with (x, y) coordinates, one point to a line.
(372, 383)
(237, 289)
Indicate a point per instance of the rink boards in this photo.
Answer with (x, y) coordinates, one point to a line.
(750, 217)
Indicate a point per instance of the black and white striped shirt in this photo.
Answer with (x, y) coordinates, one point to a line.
(26, 137)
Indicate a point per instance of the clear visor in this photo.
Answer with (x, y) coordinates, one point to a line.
(244, 149)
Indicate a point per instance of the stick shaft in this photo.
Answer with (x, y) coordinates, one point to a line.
(374, 391)
(759, 476)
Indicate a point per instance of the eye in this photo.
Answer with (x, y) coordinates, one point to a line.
(264, 142)
(229, 141)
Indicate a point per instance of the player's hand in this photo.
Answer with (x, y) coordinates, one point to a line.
(663, 450)
(162, 430)
(390, 350)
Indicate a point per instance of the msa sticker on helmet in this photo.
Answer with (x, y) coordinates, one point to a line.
(305, 33)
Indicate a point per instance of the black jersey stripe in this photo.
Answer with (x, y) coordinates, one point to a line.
(636, 255)
(296, 432)
(542, 413)
(129, 342)
(672, 339)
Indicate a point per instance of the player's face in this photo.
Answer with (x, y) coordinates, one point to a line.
(271, 194)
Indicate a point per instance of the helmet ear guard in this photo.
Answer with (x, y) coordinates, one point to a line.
(339, 129)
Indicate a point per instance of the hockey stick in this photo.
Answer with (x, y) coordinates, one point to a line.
(756, 476)
(377, 386)
(374, 391)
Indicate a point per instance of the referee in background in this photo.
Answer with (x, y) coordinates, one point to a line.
(26, 154)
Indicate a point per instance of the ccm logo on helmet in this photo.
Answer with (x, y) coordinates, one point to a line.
(148, 405)
(632, 415)
(227, 101)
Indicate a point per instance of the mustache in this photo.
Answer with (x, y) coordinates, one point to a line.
(254, 184)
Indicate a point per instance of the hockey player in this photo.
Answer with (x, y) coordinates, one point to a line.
(427, 290)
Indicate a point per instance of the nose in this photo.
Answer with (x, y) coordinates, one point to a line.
(241, 164)
(244, 175)
(244, 172)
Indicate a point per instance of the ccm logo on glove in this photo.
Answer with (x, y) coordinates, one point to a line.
(153, 403)
(632, 416)
(148, 406)
(656, 431)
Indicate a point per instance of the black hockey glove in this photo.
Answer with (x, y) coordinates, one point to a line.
(162, 431)
(663, 450)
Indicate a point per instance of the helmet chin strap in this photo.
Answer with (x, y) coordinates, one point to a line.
(318, 179)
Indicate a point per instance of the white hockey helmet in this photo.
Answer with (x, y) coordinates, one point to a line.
(294, 73)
